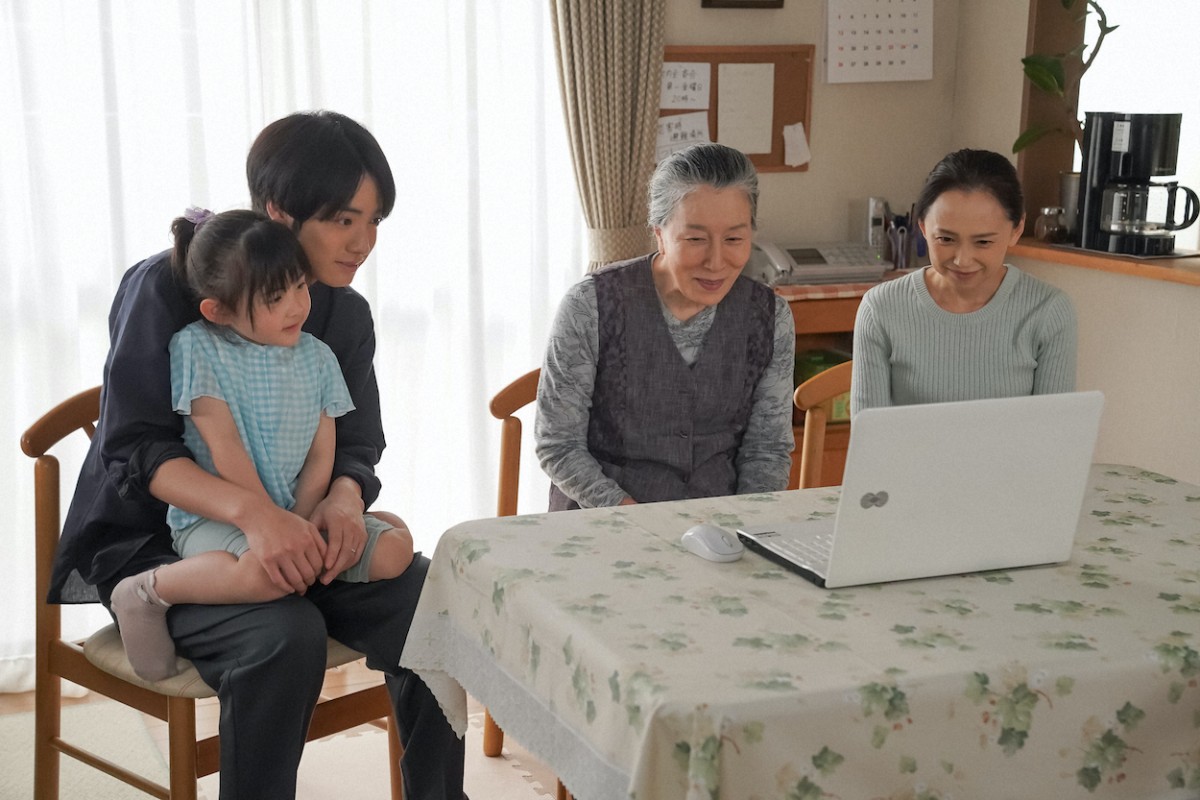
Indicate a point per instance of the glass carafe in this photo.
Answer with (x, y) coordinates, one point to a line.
(1146, 208)
(1051, 226)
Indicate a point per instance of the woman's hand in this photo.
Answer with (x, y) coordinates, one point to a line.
(340, 517)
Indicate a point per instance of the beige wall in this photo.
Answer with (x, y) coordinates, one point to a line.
(988, 80)
(1139, 343)
(876, 138)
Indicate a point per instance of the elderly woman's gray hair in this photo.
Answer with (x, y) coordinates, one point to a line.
(706, 164)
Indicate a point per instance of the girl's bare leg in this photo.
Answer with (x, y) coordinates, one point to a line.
(392, 555)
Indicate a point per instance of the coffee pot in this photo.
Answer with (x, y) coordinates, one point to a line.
(1121, 209)
(1146, 209)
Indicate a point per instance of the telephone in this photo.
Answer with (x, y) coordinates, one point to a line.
(769, 263)
(837, 262)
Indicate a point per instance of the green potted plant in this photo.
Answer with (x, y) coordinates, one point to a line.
(1059, 75)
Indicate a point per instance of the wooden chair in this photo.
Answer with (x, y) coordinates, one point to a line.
(99, 663)
(812, 398)
(505, 404)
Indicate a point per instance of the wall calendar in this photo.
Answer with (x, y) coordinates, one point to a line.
(878, 40)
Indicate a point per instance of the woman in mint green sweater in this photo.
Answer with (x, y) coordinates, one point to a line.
(969, 325)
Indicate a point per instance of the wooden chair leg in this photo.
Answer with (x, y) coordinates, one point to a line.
(395, 753)
(181, 747)
(562, 793)
(47, 726)
(493, 736)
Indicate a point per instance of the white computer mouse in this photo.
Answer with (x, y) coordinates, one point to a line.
(712, 542)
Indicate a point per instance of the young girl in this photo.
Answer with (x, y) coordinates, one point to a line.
(969, 325)
(259, 398)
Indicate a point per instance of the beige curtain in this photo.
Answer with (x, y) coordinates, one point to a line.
(609, 67)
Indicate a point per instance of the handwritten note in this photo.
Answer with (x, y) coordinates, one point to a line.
(685, 85)
(878, 40)
(680, 130)
(745, 106)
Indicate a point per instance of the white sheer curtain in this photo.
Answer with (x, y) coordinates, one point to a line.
(115, 116)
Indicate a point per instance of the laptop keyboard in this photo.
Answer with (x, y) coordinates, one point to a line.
(813, 551)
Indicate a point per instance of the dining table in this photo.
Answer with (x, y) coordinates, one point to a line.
(636, 669)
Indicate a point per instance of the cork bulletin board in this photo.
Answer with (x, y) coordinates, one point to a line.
(789, 68)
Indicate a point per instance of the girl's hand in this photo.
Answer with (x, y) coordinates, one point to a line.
(340, 516)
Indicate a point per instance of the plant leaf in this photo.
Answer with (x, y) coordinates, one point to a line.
(1030, 136)
(1046, 73)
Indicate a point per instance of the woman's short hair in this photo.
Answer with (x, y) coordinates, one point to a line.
(705, 164)
(974, 170)
(310, 164)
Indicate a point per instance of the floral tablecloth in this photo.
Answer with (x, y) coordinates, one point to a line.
(638, 670)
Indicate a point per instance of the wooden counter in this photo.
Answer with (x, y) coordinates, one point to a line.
(1174, 270)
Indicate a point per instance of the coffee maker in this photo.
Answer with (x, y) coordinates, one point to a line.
(1121, 210)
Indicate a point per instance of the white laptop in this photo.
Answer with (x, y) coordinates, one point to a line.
(948, 488)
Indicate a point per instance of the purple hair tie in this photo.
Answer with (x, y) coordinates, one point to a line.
(197, 216)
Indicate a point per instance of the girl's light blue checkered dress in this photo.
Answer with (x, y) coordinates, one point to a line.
(276, 395)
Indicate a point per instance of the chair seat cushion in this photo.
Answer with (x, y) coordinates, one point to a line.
(104, 649)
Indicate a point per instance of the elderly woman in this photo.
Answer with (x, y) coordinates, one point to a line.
(670, 376)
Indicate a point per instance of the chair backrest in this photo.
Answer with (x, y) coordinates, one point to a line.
(812, 398)
(504, 405)
(78, 413)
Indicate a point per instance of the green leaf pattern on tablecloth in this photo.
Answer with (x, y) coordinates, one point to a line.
(929, 638)
(1126, 519)
(1106, 754)
(1176, 654)
(1009, 711)
(503, 581)
(1068, 608)
(836, 605)
(781, 642)
(1097, 576)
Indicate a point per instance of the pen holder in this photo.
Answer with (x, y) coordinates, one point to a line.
(901, 244)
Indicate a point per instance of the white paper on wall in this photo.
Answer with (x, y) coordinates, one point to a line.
(795, 146)
(745, 106)
(685, 84)
(677, 131)
(878, 40)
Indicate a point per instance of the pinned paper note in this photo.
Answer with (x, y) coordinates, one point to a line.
(745, 106)
(795, 145)
(680, 130)
(685, 84)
